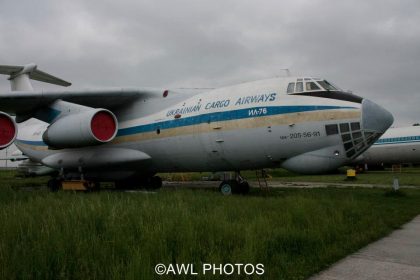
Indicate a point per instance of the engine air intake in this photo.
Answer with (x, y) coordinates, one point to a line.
(8, 130)
(103, 126)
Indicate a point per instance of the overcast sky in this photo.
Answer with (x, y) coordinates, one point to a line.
(369, 47)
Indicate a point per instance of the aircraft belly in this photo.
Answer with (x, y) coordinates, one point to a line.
(233, 149)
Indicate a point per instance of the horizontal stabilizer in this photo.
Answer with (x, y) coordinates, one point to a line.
(33, 73)
(10, 70)
(47, 78)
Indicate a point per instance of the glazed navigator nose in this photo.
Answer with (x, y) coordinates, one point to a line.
(375, 118)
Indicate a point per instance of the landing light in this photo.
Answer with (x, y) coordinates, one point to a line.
(336, 153)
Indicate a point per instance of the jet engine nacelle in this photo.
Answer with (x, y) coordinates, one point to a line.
(87, 128)
(8, 130)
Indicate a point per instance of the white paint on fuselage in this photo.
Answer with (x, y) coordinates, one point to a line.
(396, 146)
(205, 147)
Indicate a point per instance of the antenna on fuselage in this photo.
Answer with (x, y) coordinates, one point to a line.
(287, 71)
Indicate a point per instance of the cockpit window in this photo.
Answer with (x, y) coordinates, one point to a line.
(311, 86)
(326, 85)
(299, 87)
(291, 88)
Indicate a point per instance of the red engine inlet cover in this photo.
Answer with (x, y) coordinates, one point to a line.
(103, 126)
(7, 130)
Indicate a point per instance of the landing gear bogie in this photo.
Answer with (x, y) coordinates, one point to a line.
(155, 183)
(228, 187)
(54, 184)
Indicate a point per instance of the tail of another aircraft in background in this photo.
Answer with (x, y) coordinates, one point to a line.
(20, 75)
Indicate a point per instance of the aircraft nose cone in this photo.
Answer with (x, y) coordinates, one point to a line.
(375, 117)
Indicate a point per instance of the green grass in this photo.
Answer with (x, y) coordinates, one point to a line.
(116, 235)
(9, 178)
(408, 177)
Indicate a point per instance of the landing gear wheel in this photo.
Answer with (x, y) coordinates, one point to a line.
(155, 183)
(93, 186)
(127, 184)
(229, 187)
(54, 184)
(243, 187)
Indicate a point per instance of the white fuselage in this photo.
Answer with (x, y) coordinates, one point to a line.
(396, 146)
(247, 126)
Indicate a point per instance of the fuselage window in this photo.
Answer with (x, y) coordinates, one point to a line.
(299, 87)
(357, 135)
(346, 137)
(291, 88)
(355, 126)
(331, 129)
(311, 86)
(326, 85)
(344, 127)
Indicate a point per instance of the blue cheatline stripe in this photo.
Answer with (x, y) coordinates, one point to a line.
(211, 117)
(223, 116)
(398, 140)
(28, 142)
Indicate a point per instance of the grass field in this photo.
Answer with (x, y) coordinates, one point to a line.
(407, 177)
(117, 235)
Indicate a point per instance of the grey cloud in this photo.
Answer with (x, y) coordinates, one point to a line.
(370, 47)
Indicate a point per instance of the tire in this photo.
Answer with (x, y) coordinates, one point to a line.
(54, 184)
(229, 187)
(128, 184)
(155, 183)
(93, 186)
(244, 187)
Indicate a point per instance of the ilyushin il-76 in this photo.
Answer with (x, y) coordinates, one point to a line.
(127, 136)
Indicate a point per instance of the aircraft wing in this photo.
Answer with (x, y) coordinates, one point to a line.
(77, 118)
(18, 102)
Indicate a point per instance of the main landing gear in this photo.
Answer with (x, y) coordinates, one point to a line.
(70, 182)
(77, 181)
(56, 184)
(234, 186)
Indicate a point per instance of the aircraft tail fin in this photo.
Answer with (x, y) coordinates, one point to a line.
(20, 75)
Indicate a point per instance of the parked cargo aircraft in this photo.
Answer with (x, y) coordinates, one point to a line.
(15, 156)
(27, 167)
(302, 124)
(397, 146)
